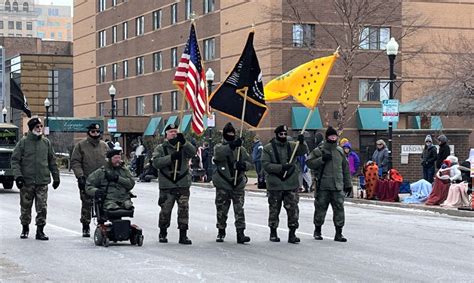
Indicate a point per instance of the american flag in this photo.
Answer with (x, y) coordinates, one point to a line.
(190, 74)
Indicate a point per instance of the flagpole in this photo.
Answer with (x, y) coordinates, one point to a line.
(241, 130)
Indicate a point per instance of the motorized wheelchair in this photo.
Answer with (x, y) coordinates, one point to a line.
(111, 226)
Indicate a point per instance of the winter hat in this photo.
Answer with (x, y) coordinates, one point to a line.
(348, 145)
(343, 141)
(453, 159)
(228, 128)
(428, 138)
(330, 131)
(281, 128)
(442, 139)
(93, 126)
(33, 122)
(171, 127)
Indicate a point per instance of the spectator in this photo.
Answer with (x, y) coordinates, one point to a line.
(305, 175)
(443, 152)
(256, 156)
(380, 157)
(428, 159)
(352, 158)
(206, 160)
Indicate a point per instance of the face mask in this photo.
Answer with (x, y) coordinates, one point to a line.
(173, 141)
(331, 141)
(93, 137)
(37, 133)
(228, 137)
(282, 139)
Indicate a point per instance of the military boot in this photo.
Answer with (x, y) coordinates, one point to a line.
(339, 237)
(220, 236)
(183, 238)
(25, 231)
(241, 238)
(292, 236)
(40, 235)
(317, 233)
(274, 235)
(86, 231)
(162, 236)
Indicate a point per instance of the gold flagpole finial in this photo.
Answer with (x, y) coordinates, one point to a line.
(193, 16)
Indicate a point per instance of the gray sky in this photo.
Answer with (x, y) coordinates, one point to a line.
(55, 2)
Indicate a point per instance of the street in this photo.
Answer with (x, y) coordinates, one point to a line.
(384, 244)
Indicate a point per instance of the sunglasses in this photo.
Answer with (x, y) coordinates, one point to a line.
(283, 134)
(379, 144)
(38, 126)
(94, 131)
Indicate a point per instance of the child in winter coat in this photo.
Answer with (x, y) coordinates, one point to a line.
(352, 158)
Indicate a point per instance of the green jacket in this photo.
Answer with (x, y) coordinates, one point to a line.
(272, 164)
(336, 174)
(224, 158)
(162, 162)
(116, 191)
(88, 155)
(33, 158)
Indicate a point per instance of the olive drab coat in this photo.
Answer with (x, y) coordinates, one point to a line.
(88, 155)
(272, 164)
(165, 166)
(224, 158)
(116, 191)
(335, 172)
(35, 160)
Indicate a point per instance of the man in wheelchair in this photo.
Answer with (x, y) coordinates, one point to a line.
(110, 186)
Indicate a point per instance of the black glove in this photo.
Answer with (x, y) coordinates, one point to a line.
(99, 194)
(20, 182)
(181, 138)
(240, 166)
(175, 155)
(327, 156)
(81, 183)
(55, 184)
(301, 139)
(348, 190)
(236, 143)
(111, 176)
(289, 169)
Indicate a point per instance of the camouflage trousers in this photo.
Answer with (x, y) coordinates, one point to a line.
(86, 207)
(223, 199)
(322, 199)
(290, 201)
(166, 201)
(38, 194)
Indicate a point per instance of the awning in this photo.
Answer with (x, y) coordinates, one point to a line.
(299, 115)
(436, 123)
(371, 119)
(171, 120)
(185, 125)
(152, 126)
(68, 124)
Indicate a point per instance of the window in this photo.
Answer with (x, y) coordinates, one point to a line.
(19, 26)
(53, 12)
(125, 107)
(303, 35)
(25, 7)
(140, 106)
(125, 30)
(125, 69)
(114, 71)
(60, 35)
(7, 6)
(209, 49)
(373, 90)
(52, 35)
(208, 6)
(102, 74)
(140, 25)
(157, 61)
(29, 25)
(114, 3)
(174, 57)
(101, 108)
(40, 23)
(114, 34)
(174, 14)
(102, 38)
(140, 65)
(374, 37)
(1, 24)
(102, 5)
(174, 100)
(11, 24)
(188, 8)
(40, 34)
(157, 102)
(15, 6)
(157, 19)
(53, 90)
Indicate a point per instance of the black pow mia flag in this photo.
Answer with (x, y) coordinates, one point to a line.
(18, 99)
(246, 76)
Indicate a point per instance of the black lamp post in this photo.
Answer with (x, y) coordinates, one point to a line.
(210, 80)
(392, 51)
(112, 92)
(47, 104)
(4, 112)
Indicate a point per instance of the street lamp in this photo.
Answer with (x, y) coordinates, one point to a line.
(210, 79)
(112, 92)
(4, 112)
(47, 104)
(392, 51)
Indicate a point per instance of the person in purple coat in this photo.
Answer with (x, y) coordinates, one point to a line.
(352, 158)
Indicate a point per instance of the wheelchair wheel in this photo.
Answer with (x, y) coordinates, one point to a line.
(140, 240)
(133, 239)
(106, 242)
(98, 237)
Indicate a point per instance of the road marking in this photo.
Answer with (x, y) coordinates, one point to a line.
(284, 229)
(64, 229)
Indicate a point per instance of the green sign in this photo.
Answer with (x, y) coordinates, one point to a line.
(64, 124)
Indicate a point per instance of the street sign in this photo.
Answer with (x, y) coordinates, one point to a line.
(390, 110)
(112, 125)
(211, 120)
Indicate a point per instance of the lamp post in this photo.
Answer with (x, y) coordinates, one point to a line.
(210, 80)
(4, 112)
(112, 92)
(392, 51)
(47, 104)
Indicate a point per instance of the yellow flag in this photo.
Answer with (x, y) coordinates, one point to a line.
(305, 82)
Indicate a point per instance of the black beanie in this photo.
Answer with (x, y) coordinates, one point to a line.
(281, 128)
(113, 152)
(330, 131)
(228, 128)
(33, 122)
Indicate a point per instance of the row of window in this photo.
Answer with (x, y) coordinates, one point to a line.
(208, 6)
(17, 25)
(52, 35)
(157, 57)
(17, 35)
(14, 7)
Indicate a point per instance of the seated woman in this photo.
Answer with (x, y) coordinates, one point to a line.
(112, 183)
(419, 192)
(371, 179)
(441, 185)
(457, 195)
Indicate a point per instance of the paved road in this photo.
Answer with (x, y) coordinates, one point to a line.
(385, 244)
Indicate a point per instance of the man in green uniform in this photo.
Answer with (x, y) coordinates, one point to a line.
(112, 183)
(331, 170)
(282, 180)
(225, 157)
(173, 189)
(33, 163)
(88, 155)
